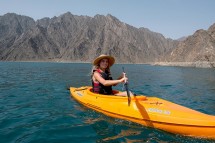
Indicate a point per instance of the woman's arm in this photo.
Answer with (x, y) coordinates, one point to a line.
(98, 77)
(120, 77)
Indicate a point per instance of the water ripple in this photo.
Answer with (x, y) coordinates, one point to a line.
(36, 107)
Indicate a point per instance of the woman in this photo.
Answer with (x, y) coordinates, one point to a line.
(102, 81)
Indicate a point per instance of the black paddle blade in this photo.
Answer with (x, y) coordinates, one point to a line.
(129, 97)
(68, 87)
(128, 93)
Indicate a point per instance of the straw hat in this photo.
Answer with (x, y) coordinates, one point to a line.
(110, 59)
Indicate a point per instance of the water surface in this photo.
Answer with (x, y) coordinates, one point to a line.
(35, 105)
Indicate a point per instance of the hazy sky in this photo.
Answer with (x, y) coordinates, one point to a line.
(172, 18)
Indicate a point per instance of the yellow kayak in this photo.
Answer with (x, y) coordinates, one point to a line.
(149, 111)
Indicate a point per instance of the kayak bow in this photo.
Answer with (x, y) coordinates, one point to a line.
(149, 111)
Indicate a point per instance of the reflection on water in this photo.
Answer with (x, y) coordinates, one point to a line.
(186, 86)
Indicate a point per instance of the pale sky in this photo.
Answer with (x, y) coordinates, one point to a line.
(172, 18)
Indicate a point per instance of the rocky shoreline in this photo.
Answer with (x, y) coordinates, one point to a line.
(198, 64)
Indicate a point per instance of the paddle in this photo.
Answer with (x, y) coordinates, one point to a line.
(126, 88)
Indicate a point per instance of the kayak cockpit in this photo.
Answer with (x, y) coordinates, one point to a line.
(114, 96)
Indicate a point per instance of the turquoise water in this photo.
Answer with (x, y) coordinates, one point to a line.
(35, 105)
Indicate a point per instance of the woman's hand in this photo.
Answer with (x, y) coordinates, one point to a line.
(121, 76)
(124, 79)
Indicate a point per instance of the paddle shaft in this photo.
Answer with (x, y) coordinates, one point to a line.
(126, 87)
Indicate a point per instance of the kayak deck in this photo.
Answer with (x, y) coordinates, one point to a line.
(149, 111)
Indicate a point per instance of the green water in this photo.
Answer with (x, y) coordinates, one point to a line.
(35, 105)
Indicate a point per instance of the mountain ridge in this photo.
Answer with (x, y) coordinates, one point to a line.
(75, 38)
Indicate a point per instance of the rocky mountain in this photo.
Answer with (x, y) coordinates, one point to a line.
(196, 50)
(72, 38)
(77, 38)
(11, 28)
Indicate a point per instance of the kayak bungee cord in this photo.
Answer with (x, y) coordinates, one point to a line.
(126, 87)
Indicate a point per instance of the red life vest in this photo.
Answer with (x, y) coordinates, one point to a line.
(100, 88)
